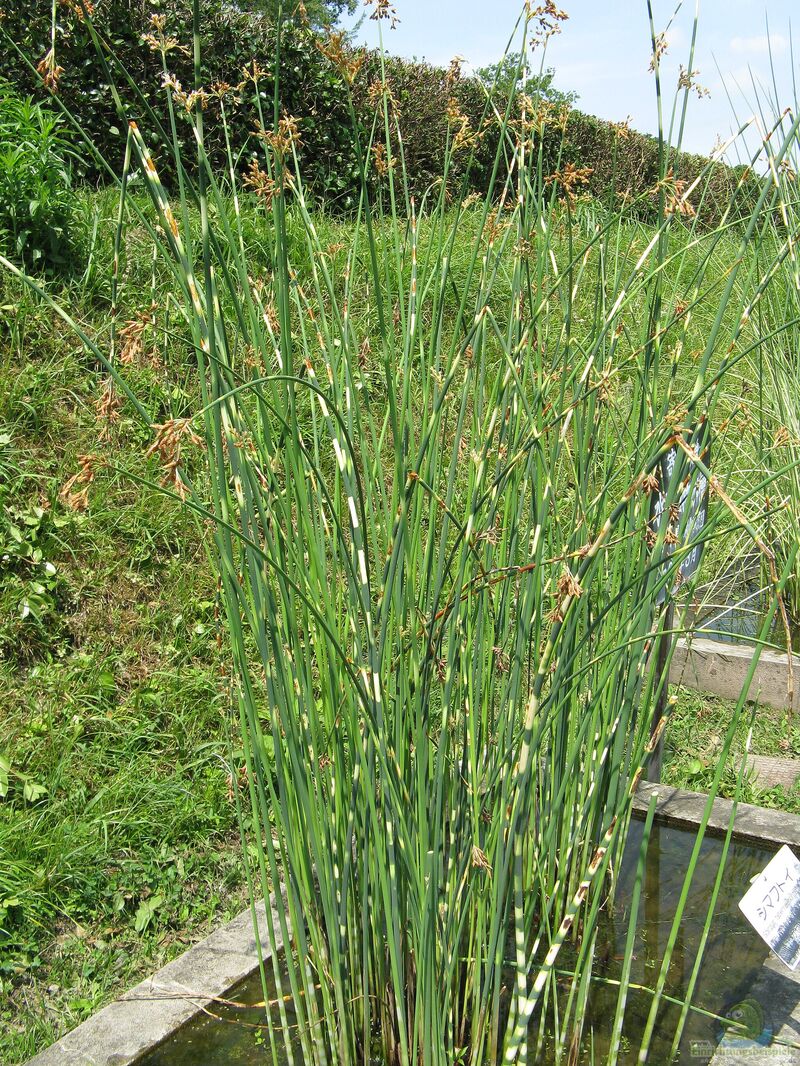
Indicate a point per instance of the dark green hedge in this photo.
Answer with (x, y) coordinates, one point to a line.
(628, 163)
(313, 91)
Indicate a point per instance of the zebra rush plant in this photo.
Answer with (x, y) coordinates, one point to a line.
(432, 453)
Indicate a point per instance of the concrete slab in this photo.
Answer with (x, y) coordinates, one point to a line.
(143, 1017)
(771, 770)
(753, 825)
(721, 669)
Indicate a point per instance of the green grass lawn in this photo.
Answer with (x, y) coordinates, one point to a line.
(694, 738)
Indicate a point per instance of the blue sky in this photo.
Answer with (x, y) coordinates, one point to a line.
(603, 52)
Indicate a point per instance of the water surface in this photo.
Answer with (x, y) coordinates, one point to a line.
(734, 955)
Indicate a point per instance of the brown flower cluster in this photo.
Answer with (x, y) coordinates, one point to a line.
(158, 40)
(379, 91)
(170, 438)
(525, 247)
(463, 134)
(79, 8)
(222, 90)
(569, 179)
(346, 60)
(107, 407)
(686, 80)
(453, 74)
(547, 19)
(49, 71)
(131, 336)
(254, 72)
(260, 182)
(501, 660)
(782, 437)
(74, 493)
(284, 139)
(676, 202)
(659, 50)
(188, 101)
(568, 585)
(381, 160)
(494, 226)
(383, 10)
(480, 860)
(621, 129)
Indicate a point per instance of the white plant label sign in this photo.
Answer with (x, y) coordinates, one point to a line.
(772, 906)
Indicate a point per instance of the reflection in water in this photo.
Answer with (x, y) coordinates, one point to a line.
(227, 1036)
(740, 617)
(734, 954)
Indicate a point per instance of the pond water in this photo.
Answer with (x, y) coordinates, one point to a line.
(733, 957)
(734, 605)
(742, 621)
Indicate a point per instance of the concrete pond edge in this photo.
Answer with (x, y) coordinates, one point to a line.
(151, 1012)
(148, 1014)
(761, 826)
(720, 668)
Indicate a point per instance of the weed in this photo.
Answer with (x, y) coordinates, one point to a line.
(37, 223)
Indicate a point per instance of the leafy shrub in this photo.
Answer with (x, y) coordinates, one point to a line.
(625, 162)
(36, 198)
(313, 91)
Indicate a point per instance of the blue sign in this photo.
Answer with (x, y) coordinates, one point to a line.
(689, 511)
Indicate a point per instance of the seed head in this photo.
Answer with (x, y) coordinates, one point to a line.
(158, 40)
(676, 191)
(260, 182)
(659, 50)
(107, 407)
(569, 179)
(568, 585)
(188, 101)
(285, 138)
(131, 335)
(382, 162)
(346, 60)
(50, 71)
(480, 861)
(547, 19)
(74, 493)
(170, 438)
(686, 80)
(782, 437)
(453, 71)
(79, 8)
(383, 10)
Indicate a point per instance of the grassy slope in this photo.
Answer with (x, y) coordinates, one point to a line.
(112, 695)
(112, 699)
(694, 738)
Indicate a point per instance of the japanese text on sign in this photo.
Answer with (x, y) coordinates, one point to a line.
(772, 906)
